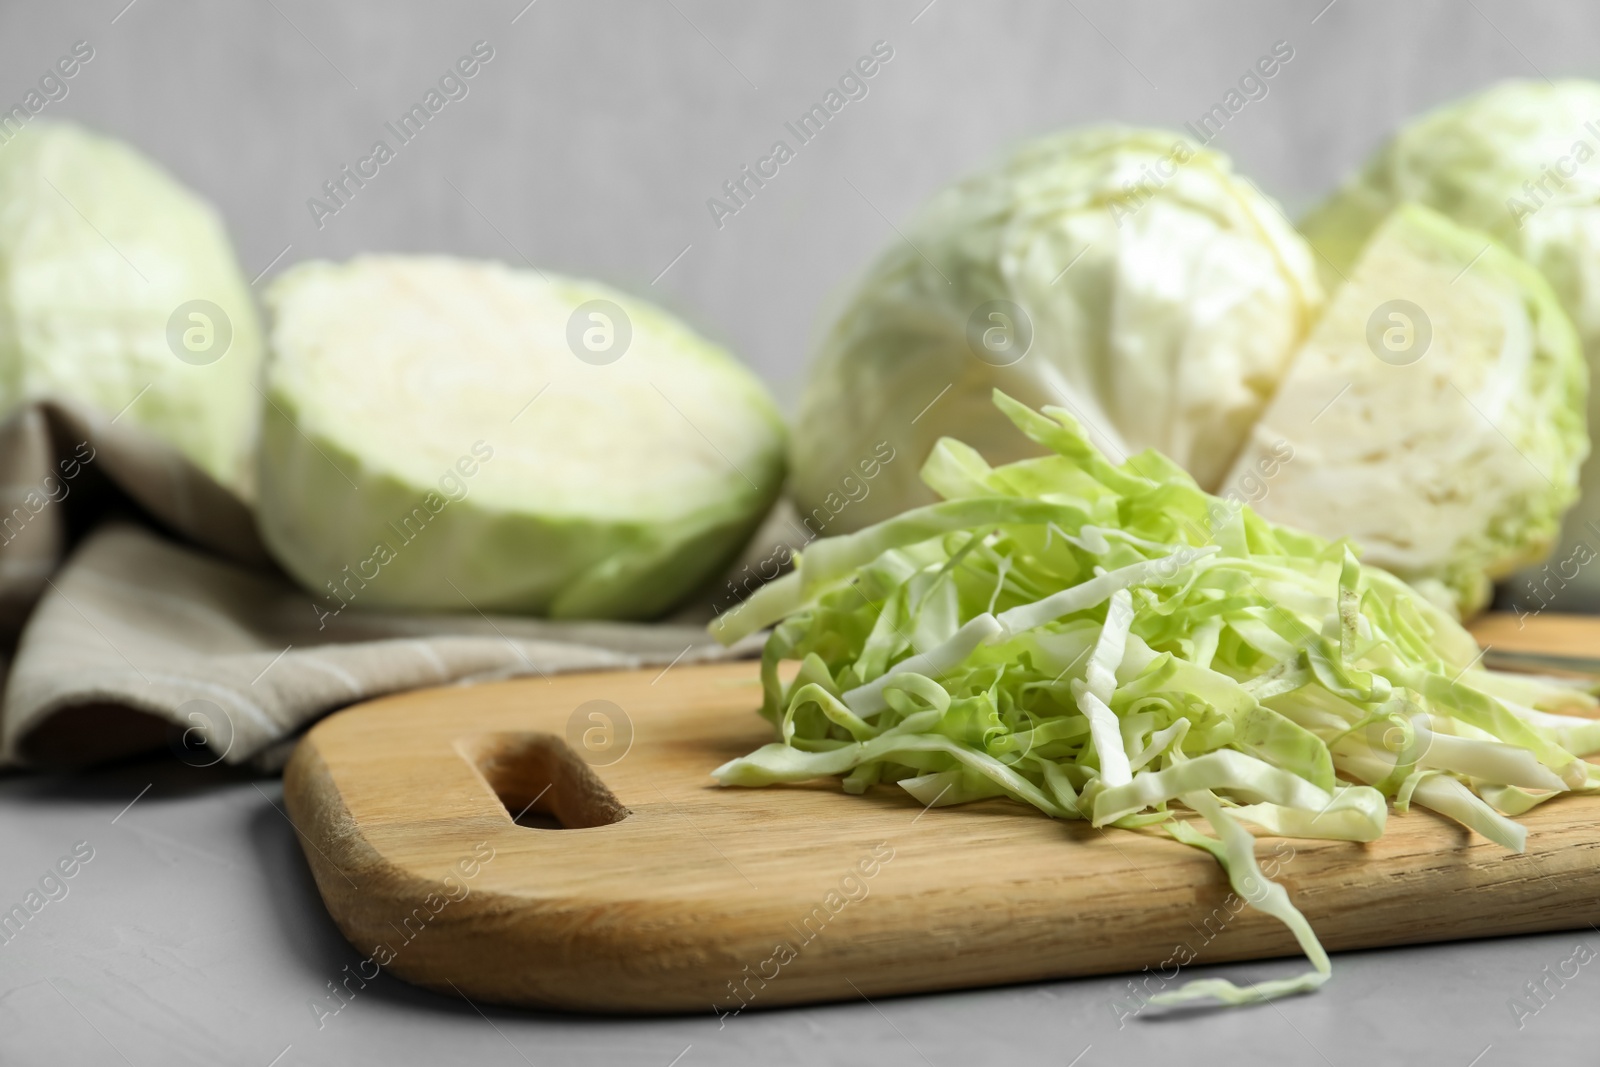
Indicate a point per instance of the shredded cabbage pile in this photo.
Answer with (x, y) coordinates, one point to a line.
(1106, 642)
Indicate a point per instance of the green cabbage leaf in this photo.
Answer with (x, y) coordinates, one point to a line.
(1110, 643)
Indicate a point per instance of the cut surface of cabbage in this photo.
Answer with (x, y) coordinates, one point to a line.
(1434, 416)
(439, 418)
(1515, 161)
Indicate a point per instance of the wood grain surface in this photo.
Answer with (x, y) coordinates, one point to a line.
(634, 884)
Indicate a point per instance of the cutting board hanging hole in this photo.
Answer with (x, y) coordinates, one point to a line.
(541, 782)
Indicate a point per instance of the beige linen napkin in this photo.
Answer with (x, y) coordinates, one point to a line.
(139, 609)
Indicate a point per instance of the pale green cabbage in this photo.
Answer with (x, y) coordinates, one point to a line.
(99, 251)
(1516, 161)
(1110, 643)
(1435, 416)
(436, 438)
(1161, 297)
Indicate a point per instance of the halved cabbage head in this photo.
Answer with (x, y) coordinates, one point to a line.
(452, 435)
(119, 289)
(1434, 417)
(1126, 275)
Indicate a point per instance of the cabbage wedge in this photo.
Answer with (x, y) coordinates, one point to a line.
(1435, 416)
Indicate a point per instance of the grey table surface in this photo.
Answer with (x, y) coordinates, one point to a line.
(590, 144)
(195, 935)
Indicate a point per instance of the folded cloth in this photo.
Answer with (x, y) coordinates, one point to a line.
(139, 609)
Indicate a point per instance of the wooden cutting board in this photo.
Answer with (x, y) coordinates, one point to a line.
(634, 884)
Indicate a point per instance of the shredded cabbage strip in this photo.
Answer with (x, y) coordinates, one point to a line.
(1111, 643)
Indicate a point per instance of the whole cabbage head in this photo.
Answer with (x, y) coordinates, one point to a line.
(119, 289)
(1126, 275)
(1516, 161)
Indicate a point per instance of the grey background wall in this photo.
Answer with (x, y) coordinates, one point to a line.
(592, 139)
